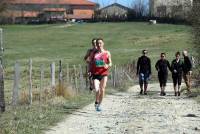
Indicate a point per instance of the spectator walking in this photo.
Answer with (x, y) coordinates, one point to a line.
(162, 67)
(144, 71)
(187, 70)
(177, 72)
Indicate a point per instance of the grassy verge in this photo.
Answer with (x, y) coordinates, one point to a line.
(35, 119)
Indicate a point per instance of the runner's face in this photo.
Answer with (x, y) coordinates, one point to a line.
(94, 44)
(100, 44)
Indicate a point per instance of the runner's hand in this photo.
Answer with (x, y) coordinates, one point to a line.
(106, 66)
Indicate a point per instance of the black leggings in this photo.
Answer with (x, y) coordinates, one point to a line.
(177, 79)
(162, 77)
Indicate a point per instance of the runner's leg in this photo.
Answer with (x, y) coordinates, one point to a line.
(96, 86)
(103, 83)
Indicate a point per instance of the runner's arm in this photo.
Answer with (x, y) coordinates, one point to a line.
(156, 66)
(109, 60)
(86, 57)
(149, 67)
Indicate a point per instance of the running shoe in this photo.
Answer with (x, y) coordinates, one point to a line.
(98, 109)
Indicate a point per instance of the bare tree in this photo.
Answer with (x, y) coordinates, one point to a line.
(195, 19)
(3, 5)
(140, 7)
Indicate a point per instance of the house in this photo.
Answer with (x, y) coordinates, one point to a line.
(170, 8)
(115, 10)
(27, 10)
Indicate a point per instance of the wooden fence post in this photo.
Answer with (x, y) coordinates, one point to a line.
(75, 79)
(53, 81)
(68, 79)
(60, 91)
(15, 96)
(114, 76)
(30, 82)
(81, 77)
(2, 100)
(41, 80)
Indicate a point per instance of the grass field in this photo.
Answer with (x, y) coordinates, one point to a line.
(48, 43)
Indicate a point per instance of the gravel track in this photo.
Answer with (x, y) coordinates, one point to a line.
(131, 113)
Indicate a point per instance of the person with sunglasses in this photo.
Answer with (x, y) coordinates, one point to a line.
(162, 67)
(144, 71)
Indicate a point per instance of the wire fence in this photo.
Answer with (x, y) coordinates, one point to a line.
(33, 82)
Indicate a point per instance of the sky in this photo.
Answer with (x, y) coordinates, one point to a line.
(104, 3)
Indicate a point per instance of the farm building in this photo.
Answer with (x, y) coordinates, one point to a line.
(27, 10)
(170, 8)
(114, 10)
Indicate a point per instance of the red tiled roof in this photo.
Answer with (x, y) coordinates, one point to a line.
(20, 14)
(70, 2)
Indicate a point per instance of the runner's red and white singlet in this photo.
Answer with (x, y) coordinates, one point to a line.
(100, 59)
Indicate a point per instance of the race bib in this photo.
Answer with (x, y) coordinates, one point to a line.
(99, 63)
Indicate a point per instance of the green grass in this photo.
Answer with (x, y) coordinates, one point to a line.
(34, 119)
(46, 43)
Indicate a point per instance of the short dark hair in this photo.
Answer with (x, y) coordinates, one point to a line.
(144, 51)
(177, 53)
(94, 39)
(98, 39)
(163, 54)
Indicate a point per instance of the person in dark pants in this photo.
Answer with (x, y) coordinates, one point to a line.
(187, 70)
(177, 72)
(88, 59)
(162, 67)
(144, 71)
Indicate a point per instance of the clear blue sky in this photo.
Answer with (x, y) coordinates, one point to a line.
(108, 2)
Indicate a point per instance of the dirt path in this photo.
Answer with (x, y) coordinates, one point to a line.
(130, 113)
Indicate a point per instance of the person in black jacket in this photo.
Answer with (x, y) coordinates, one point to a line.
(162, 67)
(144, 71)
(177, 72)
(187, 70)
